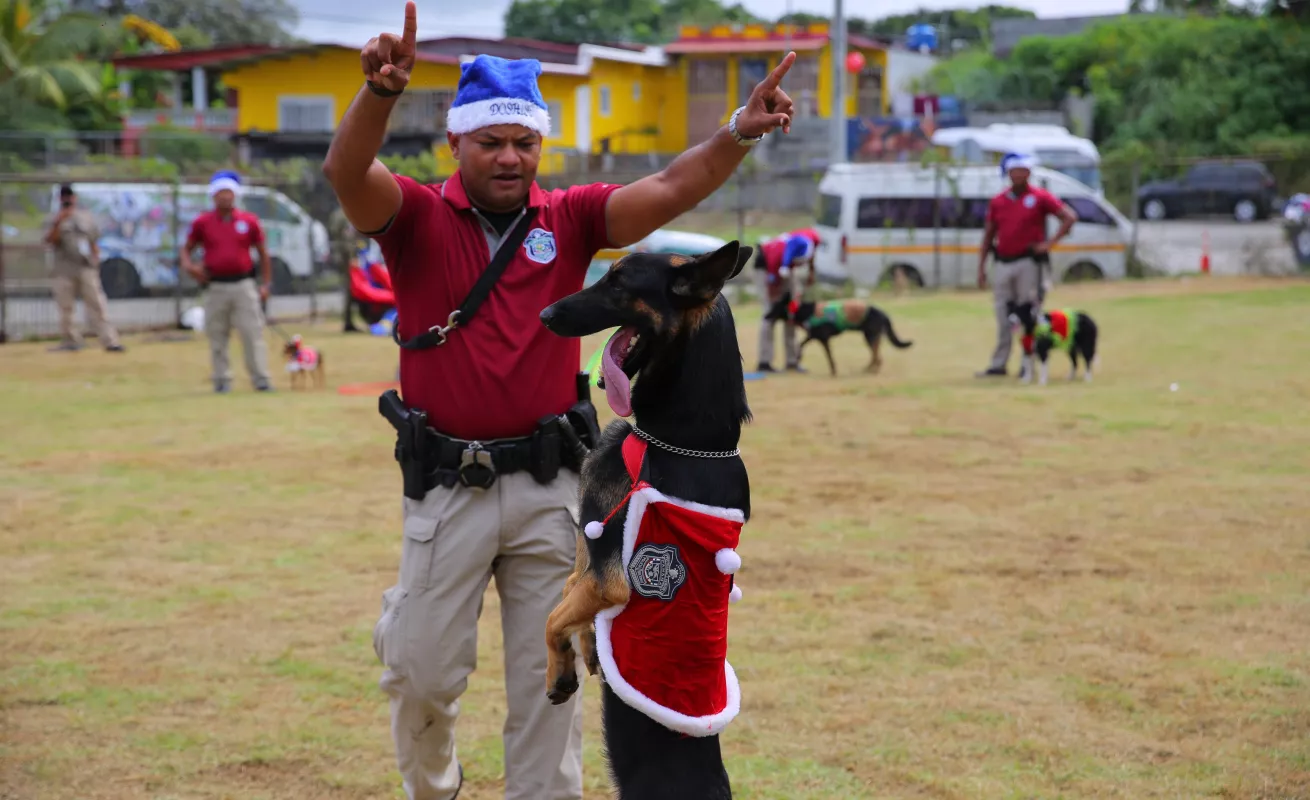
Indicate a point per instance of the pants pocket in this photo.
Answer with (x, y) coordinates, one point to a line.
(384, 632)
(416, 555)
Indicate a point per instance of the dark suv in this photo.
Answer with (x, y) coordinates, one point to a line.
(1244, 189)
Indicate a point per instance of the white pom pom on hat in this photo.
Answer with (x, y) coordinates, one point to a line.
(727, 561)
(735, 595)
(594, 529)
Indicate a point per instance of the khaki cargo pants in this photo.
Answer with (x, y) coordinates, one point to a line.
(83, 284)
(769, 295)
(236, 305)
(1017, 282)
(455, 540)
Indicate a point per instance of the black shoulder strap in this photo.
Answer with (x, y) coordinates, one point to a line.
(436, 335)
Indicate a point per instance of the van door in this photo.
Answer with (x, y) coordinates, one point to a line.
(286, 234)
(1095, 239)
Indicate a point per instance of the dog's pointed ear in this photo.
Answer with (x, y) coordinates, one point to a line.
(701, 279)
(743, 255)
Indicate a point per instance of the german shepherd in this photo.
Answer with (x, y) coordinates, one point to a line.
(678, 339)
(839, 316)
(1051, 329)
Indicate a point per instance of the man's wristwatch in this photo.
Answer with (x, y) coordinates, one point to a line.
(744, 141)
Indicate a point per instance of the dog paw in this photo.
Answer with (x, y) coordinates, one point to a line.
(566, 686)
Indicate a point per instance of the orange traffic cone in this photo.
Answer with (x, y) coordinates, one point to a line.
(1205, 252)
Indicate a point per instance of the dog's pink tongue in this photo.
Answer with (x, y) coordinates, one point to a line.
(617, 388)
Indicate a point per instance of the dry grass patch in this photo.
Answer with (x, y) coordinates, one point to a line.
(953, 589)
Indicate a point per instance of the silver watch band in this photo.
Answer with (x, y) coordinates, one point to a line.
(744, 141)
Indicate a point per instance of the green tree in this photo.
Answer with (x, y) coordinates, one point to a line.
(1187, 86)
(223, 21)
(961, 23)
(641, 21)
(39, 67)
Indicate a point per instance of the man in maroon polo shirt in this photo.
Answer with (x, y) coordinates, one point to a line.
(496, 381)
(232, 299)
(1016, 236)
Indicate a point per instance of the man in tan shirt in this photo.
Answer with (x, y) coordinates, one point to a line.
(72, 233)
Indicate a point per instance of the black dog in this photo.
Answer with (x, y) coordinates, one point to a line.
(836, 317)
(678, 339)
(1069, 330)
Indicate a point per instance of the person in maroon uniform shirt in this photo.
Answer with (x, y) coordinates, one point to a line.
(232, 298)
(497, 381)
(1016, 236)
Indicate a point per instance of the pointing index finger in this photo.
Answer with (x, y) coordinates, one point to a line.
(410, 33)
(779, 71)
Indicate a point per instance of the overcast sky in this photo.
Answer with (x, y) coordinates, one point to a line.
(353, 22)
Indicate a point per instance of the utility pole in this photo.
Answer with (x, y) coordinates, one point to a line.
(838, 111)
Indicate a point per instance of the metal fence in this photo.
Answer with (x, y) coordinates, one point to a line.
(1184, 215)
(142, 226)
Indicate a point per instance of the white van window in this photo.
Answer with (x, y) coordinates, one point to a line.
(829, 214)
(966, 213)
(1088, 211)
(268, 209)
(895, 212)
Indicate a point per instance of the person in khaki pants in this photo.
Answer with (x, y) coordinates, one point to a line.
(492, 490)
(1016, 235)
(72, 234)
(232, 298)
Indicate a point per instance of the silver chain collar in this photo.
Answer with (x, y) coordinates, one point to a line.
(682, 451)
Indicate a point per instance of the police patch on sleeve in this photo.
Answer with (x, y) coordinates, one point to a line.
(656, 571)
(540, 245)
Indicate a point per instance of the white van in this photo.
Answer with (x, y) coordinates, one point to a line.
(928, 220)
(1052, 145)
(139, 253)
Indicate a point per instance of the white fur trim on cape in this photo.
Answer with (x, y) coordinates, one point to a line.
(708, 725)
(498, 111)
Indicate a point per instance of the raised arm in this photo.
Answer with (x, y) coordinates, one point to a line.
(366, 189)
(637, 209)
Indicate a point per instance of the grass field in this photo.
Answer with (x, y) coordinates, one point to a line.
(953, 589)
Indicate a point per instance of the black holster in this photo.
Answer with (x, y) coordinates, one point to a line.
(582, 416)
(411, 442)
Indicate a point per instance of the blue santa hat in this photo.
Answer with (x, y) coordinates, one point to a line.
(498, 91)
(1017, 161)
(225, 179)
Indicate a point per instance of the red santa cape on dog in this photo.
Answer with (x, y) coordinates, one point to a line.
(665, 651)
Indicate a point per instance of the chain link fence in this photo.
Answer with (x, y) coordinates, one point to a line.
(1182, 216)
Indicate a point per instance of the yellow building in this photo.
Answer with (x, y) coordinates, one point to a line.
(604, 100)
(719, 66)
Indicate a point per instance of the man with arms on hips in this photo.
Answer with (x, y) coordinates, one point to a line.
(232, 298)
(73, 235)
(777, 263)
(1016, 235)
(499, 379)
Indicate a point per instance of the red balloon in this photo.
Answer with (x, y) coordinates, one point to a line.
(854, 61)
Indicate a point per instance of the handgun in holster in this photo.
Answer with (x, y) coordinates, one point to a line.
(411, 442)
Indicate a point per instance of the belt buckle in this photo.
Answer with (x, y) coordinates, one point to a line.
(476, 469)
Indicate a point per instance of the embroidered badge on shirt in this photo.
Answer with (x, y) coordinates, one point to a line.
(540, 245)
(1029, 201)
(656, 571)
(242, 226)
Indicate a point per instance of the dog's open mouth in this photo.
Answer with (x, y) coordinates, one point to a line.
(618, 362)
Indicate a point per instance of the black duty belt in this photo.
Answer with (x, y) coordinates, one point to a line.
(429, 458)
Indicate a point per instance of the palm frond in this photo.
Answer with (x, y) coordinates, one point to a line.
(39, 84)
(9, 60)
